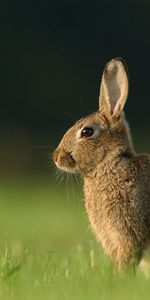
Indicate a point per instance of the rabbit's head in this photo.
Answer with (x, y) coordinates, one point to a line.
(103, 134)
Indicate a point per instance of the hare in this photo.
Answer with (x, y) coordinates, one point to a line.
(116, 178)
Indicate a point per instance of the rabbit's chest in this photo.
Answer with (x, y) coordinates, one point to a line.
(105, 215)
(106, 225)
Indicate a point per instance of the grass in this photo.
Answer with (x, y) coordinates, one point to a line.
(47, 250)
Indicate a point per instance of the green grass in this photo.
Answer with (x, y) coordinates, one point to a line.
(47, 250)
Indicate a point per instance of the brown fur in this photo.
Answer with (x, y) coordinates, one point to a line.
(116, 179)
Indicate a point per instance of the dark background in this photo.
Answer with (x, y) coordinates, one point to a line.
(52, 54)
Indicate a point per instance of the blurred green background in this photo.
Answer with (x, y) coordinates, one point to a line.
(52, 54)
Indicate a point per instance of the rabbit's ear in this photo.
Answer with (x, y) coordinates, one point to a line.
(114, 87)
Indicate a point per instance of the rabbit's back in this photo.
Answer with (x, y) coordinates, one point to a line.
(142, 163)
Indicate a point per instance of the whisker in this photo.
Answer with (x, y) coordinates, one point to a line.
(67, 186)
(39, 147)
(76, 178)
(59, 175)
(70, 115)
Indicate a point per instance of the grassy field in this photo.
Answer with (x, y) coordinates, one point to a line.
(47, 250)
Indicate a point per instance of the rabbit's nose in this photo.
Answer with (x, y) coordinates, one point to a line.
(56, 155)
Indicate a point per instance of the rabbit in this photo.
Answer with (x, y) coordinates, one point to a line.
(116, 180)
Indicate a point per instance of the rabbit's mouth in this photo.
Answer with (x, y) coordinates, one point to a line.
(65, 161)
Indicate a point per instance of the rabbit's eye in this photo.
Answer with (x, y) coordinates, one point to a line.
(87, 132)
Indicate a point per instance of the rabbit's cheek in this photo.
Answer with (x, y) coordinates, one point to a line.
(100, 154)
